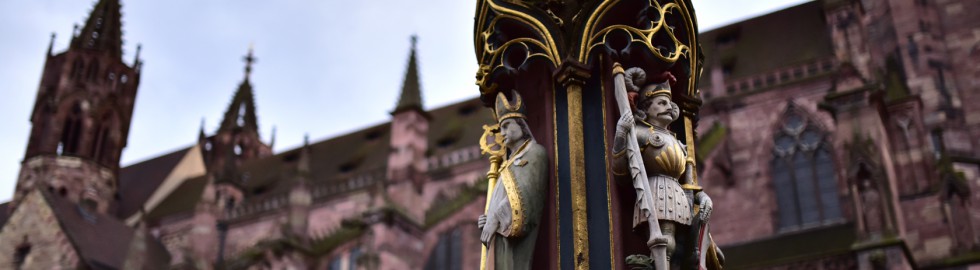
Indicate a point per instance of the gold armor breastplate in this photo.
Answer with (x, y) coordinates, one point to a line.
(662, 153)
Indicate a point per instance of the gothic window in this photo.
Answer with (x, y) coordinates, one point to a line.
(355, 253)
(93, 70)
(803, 175)
(101, 146)
(71, 132)
(77, 67)
(447, 254)
(334, 264)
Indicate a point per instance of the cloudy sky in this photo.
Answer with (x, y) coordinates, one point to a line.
(325, 67)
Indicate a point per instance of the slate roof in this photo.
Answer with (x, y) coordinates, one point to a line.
(101, 241)
(366, 150)
(792, 36)
(182, 199)
(137, 182)
(363, 151)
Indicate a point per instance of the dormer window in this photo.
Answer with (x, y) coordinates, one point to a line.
(727, 38)
(373, 135)
(467, 110)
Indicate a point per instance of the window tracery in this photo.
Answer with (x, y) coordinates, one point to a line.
(803, 177)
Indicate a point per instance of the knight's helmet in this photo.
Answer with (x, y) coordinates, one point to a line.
(506, 109)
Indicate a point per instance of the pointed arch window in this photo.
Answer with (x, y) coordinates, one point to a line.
(77, 68)
(93, 71)
(71, 131)
(102, 144)
(803, 177)
(447, 254)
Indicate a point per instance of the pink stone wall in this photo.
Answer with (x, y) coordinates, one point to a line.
(77, 178)
(747, 207)
(34, 222)
(245, 235)
(326, 217)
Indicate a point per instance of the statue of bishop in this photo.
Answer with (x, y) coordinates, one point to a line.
(510, 225)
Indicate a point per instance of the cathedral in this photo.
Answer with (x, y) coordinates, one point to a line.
(835, 134)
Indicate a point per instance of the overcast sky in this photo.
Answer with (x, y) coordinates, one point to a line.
(324, 67)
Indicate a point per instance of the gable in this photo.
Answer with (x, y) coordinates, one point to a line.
(137, 182)
(34, 221)
(189, 166)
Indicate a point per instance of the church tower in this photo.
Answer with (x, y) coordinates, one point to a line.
(237, 139)
(409, 130)
(409, 143)
(81, 116)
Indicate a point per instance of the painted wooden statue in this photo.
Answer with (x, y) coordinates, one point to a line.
(510, 225)
(680, 208)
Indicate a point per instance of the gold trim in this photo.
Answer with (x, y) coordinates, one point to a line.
(540, 28)
(592, 38)
(511, 115)
(689, 132)
(663, 92)
(576, 156)
(596, 14)
(554, 141)
(514, 196)
(616, 70)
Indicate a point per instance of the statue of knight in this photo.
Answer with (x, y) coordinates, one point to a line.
(677, 205)
(510, 225)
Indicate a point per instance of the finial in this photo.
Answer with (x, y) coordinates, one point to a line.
(415, 39)
(272, 142)
(74, 31)
(200, 132)
(304, 159)
(51, 45)
(249, 60)
(139, 47)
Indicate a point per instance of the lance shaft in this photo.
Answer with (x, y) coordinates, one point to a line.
(657, 243)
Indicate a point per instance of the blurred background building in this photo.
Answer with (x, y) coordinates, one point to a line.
(834, 134)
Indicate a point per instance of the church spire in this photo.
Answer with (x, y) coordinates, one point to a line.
(103, 29)
(411, 96)
(241, 111)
